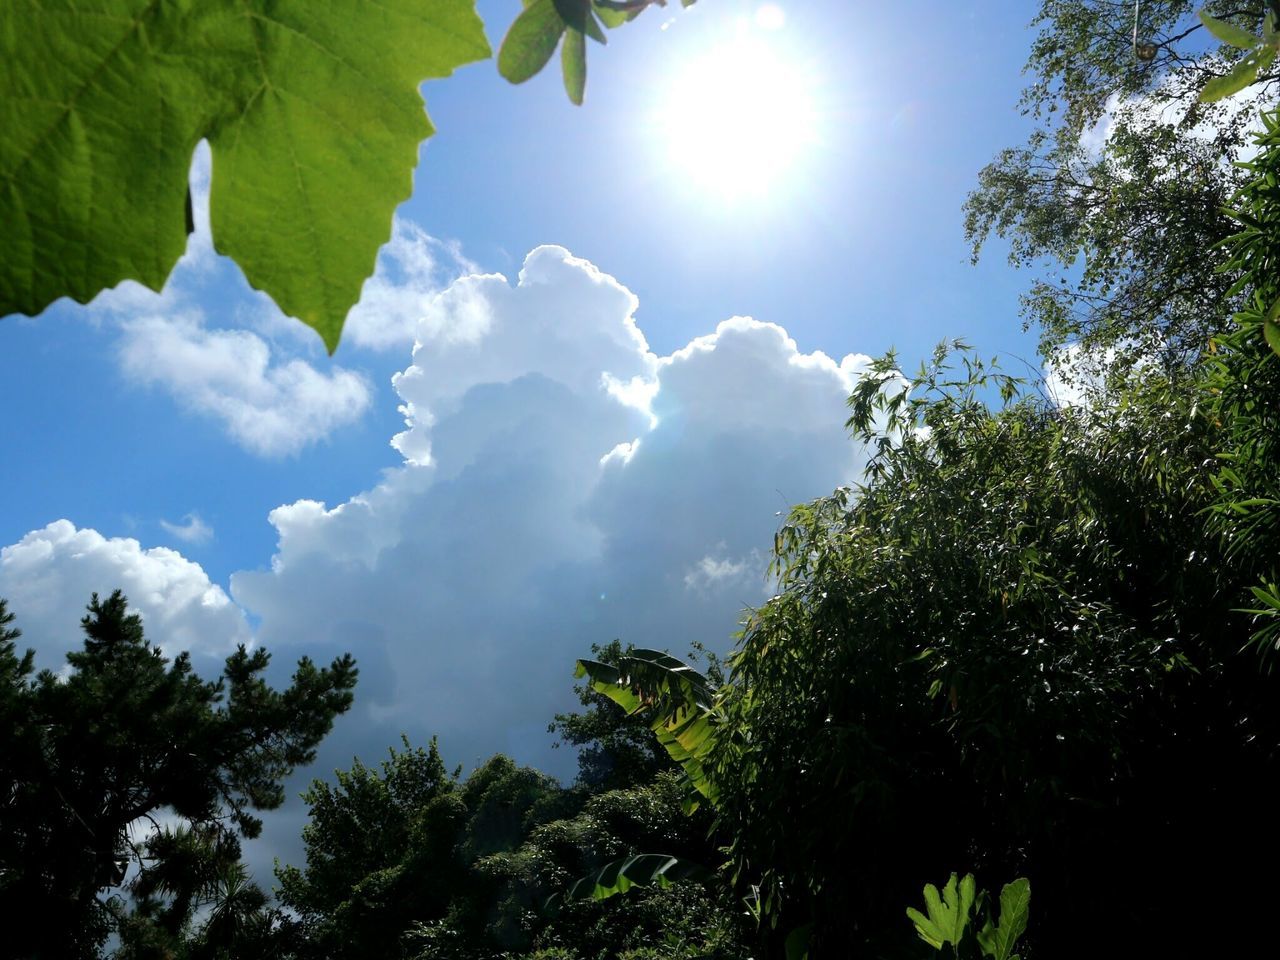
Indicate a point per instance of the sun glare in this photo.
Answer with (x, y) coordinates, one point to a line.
(738, 121)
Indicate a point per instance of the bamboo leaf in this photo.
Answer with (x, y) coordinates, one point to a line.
(1229, 33)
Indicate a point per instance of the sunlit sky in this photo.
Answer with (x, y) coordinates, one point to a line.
(596, 450)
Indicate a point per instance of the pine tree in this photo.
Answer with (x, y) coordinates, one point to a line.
(89, 760)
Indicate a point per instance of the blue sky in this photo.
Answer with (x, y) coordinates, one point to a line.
(469, 528)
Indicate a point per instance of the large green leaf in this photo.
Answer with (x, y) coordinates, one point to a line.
(311, 109)
(573, 63)
(641, 869)
(681, 704)
(948, 912)
(999, 940)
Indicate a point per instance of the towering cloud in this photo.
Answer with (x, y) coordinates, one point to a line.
(562, 486)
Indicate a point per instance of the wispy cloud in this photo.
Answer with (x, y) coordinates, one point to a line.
(270, 408)
(192, 530)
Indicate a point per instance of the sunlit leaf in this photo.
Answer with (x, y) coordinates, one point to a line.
(1242, 74)
(998, 940)
(678, 700)
(530, 41)
(573, 63)
(642, 869)
(948, 911)
(312, 112)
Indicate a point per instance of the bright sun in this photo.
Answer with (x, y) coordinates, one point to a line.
(739, 119)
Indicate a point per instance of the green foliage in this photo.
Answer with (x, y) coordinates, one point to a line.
(1261, 53)
(950, 924)
(949, 913)
(1243, 387)
(194, 899)
(678, 701)
(1121, 225)
(1083, 56)
(616, 750)
(637, 870)
(532, 38)
(122, 736)
(380, 853)
(405, 861)
(312, 112)
(1022, 622)
(655, 918)
(930, 607)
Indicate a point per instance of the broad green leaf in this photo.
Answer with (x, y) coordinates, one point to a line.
(642, 869)
(312, 112)
(530, 41)
(1229, 33)
(682, 712)
(998, 940)
(948, 912)
(573, 64)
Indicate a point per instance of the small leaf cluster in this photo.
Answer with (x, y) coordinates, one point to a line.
(533, 36)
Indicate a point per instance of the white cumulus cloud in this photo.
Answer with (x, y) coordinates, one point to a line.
(49, 575)
(412, 268)
(247, 367)
(542, 506)
(562, 485)
(271, 408)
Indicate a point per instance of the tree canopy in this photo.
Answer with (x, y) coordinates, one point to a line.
(1117, 197)
(92, 758)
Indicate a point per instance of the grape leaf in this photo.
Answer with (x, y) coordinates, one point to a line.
(311, 109)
